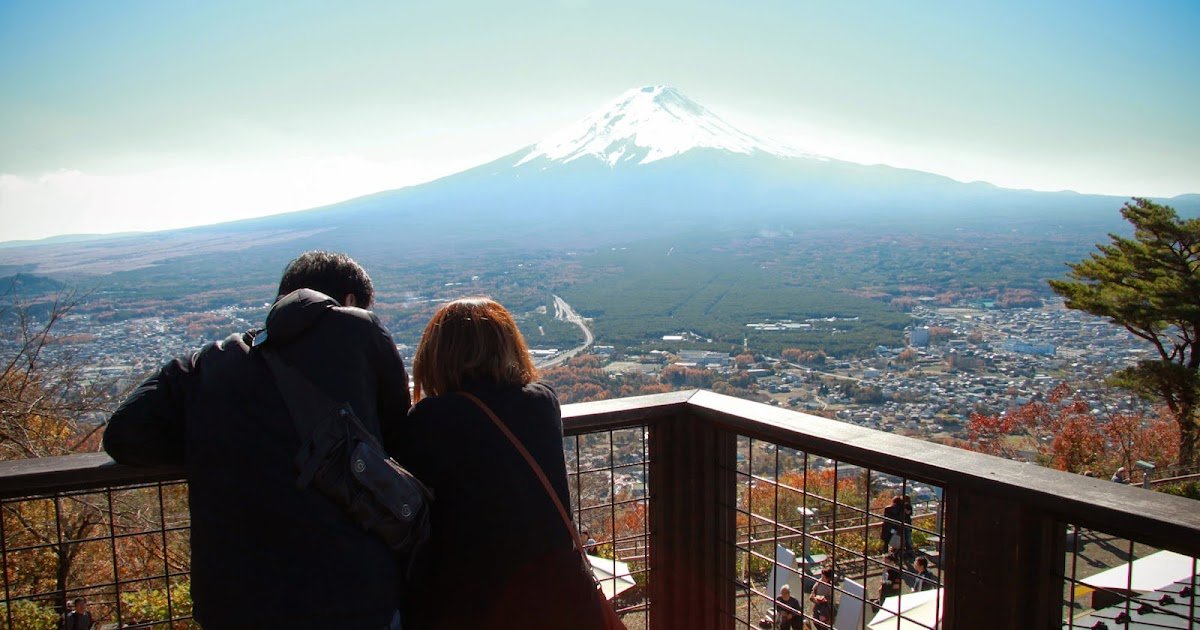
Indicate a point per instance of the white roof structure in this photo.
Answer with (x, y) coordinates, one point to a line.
(1154, 572)
(910, 611)
(613, 575)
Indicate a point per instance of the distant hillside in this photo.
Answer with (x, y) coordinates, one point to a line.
(25, 285)
(65, 238)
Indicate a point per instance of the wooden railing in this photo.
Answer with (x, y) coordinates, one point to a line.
(1001, 536)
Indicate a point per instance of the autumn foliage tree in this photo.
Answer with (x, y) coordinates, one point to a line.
(49, 407)
(776, 504)
(1062, 432)
(1059, 431)
(582, 379)
(938, 334)
(43, 395)
(1130, 437)
(800, 355)
(1150, 285)
(679, 377)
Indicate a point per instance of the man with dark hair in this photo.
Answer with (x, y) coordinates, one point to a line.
(923, 580)
(265, 552)
(79, 618)
(333, 274)
(890, 531)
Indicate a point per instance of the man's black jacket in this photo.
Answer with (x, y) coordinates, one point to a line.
(263, 550)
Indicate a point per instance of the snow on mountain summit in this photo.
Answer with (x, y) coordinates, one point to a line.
(648, 124)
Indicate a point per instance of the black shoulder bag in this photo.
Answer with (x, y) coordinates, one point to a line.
(344, 461)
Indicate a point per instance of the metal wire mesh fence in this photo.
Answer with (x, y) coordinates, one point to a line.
(1111, 582)
(851, 546)
(608, 473)
(123, 550)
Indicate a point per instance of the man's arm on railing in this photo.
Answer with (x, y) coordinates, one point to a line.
(147, 430)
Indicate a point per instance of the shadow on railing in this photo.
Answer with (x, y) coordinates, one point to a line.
(701, 507)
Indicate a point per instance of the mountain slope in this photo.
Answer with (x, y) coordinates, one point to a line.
(650, 163)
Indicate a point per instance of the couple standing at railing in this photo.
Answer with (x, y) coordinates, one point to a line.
(270, 550)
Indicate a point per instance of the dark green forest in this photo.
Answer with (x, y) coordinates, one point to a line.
(640, 293)
(855, 285)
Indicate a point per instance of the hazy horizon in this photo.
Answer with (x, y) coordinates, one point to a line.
(138, 116)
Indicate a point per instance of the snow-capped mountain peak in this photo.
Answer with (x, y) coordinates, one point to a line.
(648, 124)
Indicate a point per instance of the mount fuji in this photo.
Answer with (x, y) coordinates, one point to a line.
(645, 125)
(652, 162)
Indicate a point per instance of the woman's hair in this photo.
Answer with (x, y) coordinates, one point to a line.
(472, 339)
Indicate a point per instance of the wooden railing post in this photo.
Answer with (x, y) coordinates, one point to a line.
(1004, 564)
(692, 486)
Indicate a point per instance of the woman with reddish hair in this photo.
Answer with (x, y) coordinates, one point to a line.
(501, 555)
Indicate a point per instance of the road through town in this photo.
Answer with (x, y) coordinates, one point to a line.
(563, 311)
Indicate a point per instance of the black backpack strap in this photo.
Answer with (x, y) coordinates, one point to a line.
(309, 407)
(306, 404)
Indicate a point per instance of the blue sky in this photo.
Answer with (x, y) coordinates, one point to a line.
(127, 115)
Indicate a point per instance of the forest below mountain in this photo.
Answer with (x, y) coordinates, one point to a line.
(855, 285)
(849, 288)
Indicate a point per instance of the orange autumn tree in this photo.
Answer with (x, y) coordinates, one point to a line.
(50, 407)
(770, 513)
(1133, 437)
(1059, 431)
(43, 397)
(1062, 432)
(582, 379)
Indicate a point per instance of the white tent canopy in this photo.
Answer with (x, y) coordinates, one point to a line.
(613, 575)
(910, 611)
(1151, 573)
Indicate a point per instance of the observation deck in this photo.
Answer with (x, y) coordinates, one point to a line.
(709, 503)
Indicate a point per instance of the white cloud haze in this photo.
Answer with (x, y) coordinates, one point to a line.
(76, 202)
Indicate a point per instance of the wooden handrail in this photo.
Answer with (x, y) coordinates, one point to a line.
(1164, 521)
(1004, 519)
